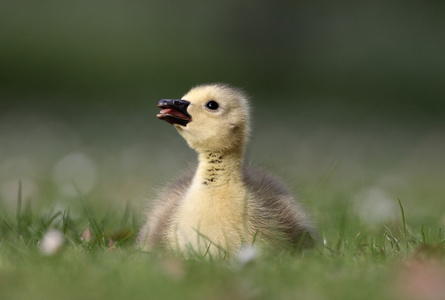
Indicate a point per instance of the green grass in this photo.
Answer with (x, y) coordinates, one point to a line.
(360, 262)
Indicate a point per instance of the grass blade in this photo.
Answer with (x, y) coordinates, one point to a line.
(404, 223)
(19, 204)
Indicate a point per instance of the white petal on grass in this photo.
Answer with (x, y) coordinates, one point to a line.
(375, 205)
(247, 254)
(86, 235)
(75, 169)
(52, 242)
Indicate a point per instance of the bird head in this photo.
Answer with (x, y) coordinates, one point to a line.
(211, 117)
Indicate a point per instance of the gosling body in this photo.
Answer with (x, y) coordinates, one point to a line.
(224, 204)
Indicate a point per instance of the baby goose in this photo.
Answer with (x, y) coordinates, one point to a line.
(224, 204)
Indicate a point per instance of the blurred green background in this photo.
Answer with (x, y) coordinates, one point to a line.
(348, 98)
(381, 52)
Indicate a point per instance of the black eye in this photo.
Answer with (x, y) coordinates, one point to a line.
(212, 105)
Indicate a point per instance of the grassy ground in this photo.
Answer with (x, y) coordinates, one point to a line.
(375, 190)
(383, 264)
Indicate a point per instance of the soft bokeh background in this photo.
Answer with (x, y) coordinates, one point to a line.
(348, 97)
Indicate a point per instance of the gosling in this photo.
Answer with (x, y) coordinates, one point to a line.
(224, 204)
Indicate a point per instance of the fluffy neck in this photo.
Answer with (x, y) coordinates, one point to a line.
(219, 169)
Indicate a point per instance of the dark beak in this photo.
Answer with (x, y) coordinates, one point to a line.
(174, 111)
